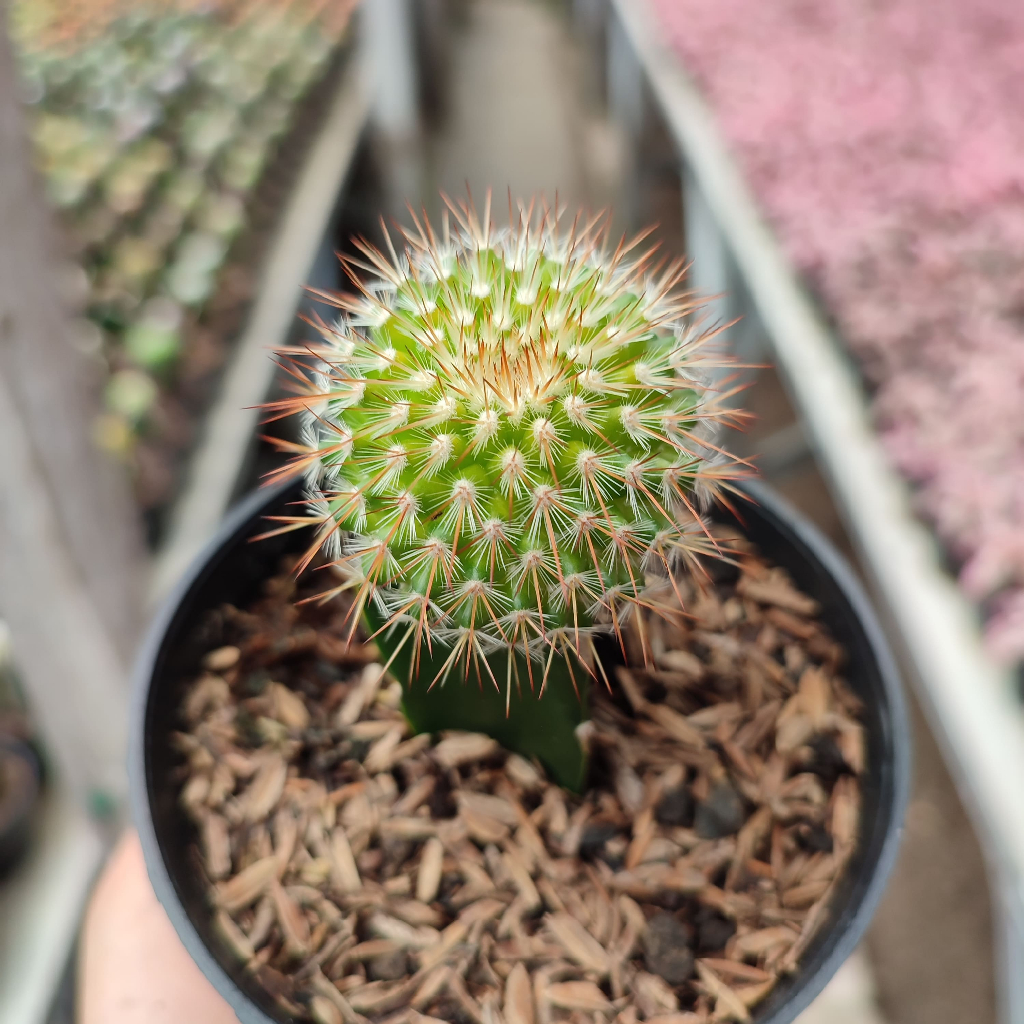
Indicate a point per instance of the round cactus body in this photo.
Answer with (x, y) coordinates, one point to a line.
(509, 435)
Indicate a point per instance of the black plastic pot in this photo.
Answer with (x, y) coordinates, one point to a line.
(232, 570)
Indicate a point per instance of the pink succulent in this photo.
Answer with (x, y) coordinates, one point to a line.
(885, 144)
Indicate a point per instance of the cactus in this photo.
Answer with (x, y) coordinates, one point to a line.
(509, 439)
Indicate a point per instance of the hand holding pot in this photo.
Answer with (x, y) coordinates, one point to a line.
(134, 969)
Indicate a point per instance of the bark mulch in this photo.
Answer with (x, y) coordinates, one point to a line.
(365, 874)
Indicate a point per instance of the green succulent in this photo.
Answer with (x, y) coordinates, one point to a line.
(153, 341)
(151, 122)
(509, 441)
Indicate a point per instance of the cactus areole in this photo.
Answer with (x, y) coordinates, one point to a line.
(508, 439)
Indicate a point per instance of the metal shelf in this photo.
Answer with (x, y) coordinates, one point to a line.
(970, 701)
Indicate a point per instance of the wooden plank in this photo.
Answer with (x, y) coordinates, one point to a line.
(70, 545)
(71, 668)
(212, 476)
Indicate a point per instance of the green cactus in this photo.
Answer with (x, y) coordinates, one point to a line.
(509, 441)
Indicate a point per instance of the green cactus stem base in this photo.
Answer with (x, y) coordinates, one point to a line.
(543, 727)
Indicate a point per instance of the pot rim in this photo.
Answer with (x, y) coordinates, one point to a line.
(808, 536)
(802, 533)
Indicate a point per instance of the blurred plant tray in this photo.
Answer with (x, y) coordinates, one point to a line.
(170, 136)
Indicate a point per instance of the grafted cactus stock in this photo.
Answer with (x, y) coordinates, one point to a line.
(509, 438)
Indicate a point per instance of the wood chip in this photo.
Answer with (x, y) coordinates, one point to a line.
(380, 756)
(628, 682)
(628, 788)
(408, 828)
(749, 838)
(850, 741)
(264, 792)
(677, 726)
(793, 732)
(289, 707)
(489, 807)
(194, 794)
(578, 944)
(433, 985)
(248, 885)
(480, 910)
(518, 1005)
(428, 877)
(325, 988)
(262, 923)
(573, 834)
(411, 748)
(236, 940)
(804, 895)
(523, 774)
(459, 749)
(377, 998)
(361, 696)
(644, 829)
(578, 995)
(778, 593)
(653, 995)
(549, 894)
(403, 935)
(735, 970)
(372, 729)
(209, 692)
(483, 828)
(791, 624)
(728, 1005)
(416, 913)
(216, 845)
(469, 1006)
(751, 995)
(286, 835)
(371, 949)
(344, 872)
(222, 659)
(294, 926)
(814, 694)
(414, 796)
(683, 661)
(359, 815)
(323, 1011)
(520, 876)
(845, 812)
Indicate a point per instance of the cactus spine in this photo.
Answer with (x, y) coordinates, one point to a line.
(509, 439)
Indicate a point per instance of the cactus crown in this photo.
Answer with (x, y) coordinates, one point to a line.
(508, 434)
